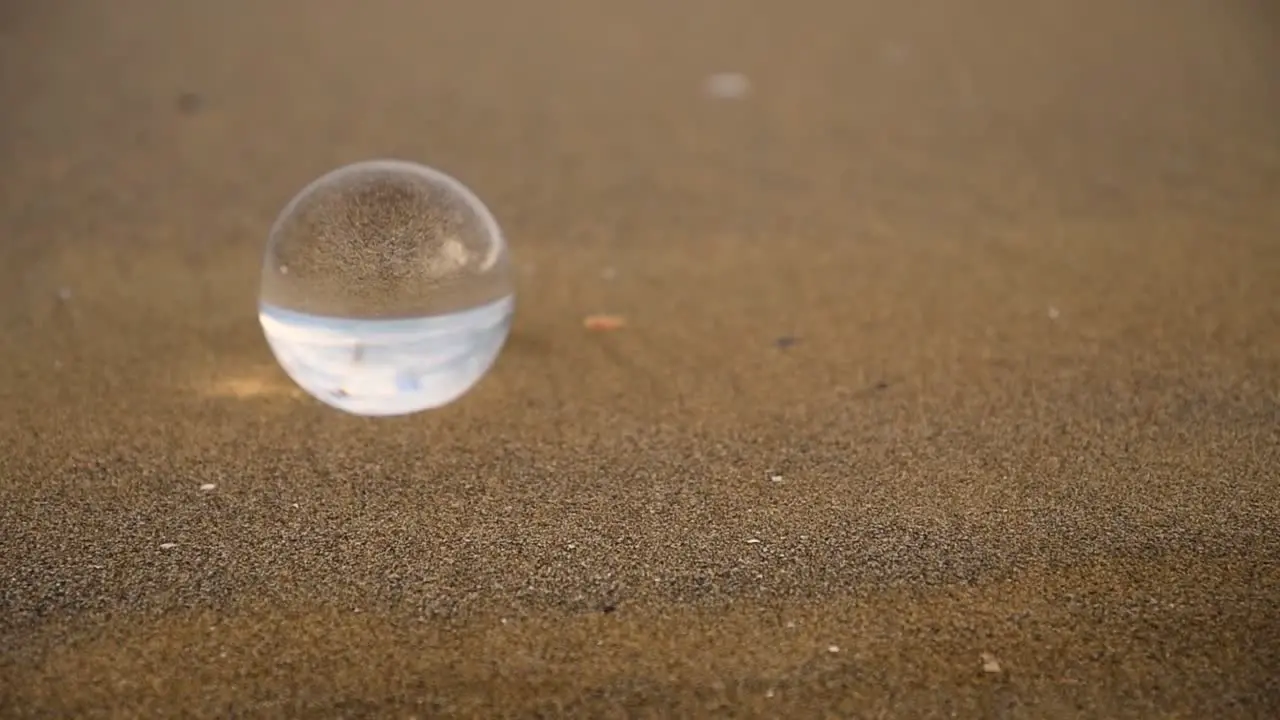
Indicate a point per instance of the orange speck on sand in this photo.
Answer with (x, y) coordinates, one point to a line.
(603, 322)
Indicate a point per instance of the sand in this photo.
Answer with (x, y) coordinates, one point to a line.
(946, 382)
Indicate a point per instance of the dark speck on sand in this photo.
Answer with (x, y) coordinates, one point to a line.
(190, 103)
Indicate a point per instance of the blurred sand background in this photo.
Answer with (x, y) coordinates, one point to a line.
(950, 384)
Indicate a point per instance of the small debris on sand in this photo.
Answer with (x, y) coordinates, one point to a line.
(168, 546)
(189, 103)
(728, 85)
(833, 649)
(989, 663)
(208, 486)
(603, 323)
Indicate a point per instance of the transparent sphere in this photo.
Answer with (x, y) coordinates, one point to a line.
(386, 288)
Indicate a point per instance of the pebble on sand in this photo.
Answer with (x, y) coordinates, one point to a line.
(989, 663)
(168, 546)
(727, 85)
(208, 486)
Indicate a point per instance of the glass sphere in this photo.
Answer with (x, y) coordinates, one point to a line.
(386, 288)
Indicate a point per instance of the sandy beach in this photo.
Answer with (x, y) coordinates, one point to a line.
(945, 381)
